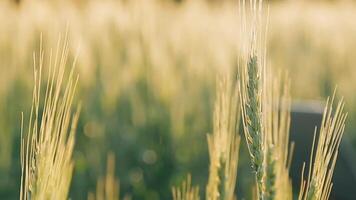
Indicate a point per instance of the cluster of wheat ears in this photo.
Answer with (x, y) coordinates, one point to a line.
(252, 94)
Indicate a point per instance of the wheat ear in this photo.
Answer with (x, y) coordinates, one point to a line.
(276, 114)
(107, 188)
(322, 164)
(47, 148)
(251, 112)
(186, 191)
(224, 142)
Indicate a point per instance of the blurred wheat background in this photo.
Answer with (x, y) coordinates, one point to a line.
(147, 80)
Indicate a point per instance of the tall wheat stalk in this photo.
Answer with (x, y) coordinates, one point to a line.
(322, 164)
(47, 148)
(276, 124)
(266, 119)
(224, 142)
(265, 109)
(253, 65)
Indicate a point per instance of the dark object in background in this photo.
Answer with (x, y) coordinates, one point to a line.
(304, 117)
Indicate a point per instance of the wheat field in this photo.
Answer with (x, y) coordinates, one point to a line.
(158, 99)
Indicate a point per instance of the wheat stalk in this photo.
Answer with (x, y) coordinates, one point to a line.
(276, 123)
(266, 118)
(252, 114)
(253, 64)
(107, 188)
(265, 110)
(251, 93)
(319, 183)
(186, 191)
(47, 148)
(224, 142)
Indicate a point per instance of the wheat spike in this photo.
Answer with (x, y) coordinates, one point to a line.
(186, 191)
(107, 188)
(322, 164)
(47, 148)
(253, 65)
(252, 121)
(265, 109)
(276, 124)
(224, 142)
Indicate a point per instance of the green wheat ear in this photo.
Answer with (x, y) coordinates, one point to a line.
(252, 120)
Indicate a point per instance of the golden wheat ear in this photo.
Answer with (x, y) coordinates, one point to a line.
(186, 191)
(224, 142)
(47, 148)
(324, 153)
(107, 188)
(276, 124)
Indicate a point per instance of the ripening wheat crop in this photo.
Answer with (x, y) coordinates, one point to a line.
(266, 105)
(263, 96)
(149, 61)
